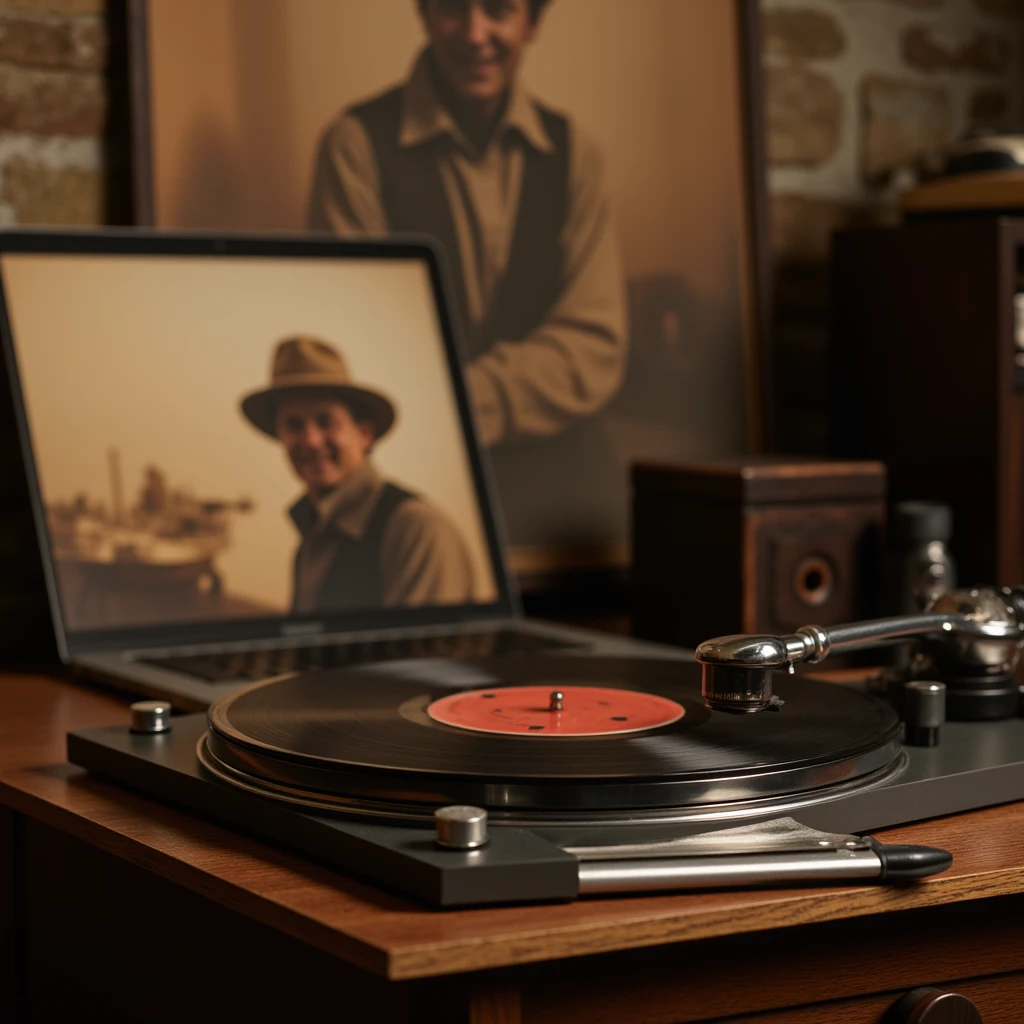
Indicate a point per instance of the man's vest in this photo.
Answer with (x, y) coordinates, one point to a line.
(548, 485)
(354, 580)
(414, 200)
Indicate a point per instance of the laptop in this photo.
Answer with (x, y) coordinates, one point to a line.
(251, 456)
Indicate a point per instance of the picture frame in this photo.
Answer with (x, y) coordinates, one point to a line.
(194, 168)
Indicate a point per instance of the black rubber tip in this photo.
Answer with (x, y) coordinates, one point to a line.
(903, 863)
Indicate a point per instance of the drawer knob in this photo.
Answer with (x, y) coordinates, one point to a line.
(933, 1006)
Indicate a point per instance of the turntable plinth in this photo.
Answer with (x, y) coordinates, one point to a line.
(135, 910)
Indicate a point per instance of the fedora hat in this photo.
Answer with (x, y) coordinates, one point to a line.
(305, 365)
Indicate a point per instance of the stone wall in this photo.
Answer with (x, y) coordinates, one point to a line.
(63, 145)
(861, 95)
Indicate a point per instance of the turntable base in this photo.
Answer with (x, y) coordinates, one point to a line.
(140, 910)
(350, 766)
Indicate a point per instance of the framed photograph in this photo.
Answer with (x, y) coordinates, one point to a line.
(592, 171)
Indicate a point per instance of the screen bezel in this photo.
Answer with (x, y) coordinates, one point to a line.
(143, 243)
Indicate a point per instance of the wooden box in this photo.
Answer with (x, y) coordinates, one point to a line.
(754, 545)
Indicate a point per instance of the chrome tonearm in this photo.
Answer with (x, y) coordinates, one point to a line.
(976, 632)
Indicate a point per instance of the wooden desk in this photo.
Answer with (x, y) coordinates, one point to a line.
(118, 908)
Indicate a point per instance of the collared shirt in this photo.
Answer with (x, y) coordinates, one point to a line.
(574, 361)
(423, 558)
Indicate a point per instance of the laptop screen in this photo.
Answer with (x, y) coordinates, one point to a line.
(220, 439)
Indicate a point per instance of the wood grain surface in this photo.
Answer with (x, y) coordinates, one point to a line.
(395, 938)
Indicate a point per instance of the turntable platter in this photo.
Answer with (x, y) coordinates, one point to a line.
(404, 737)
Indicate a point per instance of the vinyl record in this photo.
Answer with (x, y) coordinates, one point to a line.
(372, 735)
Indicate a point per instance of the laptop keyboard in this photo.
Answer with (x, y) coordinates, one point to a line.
(249, 666)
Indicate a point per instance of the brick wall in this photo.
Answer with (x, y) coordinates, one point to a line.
(63, 160)
(63, 144)
(861, 96)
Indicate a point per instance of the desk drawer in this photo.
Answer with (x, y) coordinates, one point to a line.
(852, 969)
(999, 999)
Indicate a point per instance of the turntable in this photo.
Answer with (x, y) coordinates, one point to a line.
(541, 777)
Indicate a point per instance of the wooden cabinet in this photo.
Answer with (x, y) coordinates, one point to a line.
(926, 375)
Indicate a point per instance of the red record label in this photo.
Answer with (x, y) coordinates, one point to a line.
(555, 711)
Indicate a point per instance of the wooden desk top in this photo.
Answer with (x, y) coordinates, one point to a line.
(393, 937)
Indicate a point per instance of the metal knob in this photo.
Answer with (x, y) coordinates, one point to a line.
(933, 1006)
(924, 712)
(460, 827)
(151, 716)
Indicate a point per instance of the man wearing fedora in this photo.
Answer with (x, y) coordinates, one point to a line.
(365, 542)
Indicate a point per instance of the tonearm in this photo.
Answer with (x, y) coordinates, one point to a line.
(972, 639)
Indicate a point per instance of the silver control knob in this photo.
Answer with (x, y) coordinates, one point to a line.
(151, 716)
(924, 712)
(460, 827)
